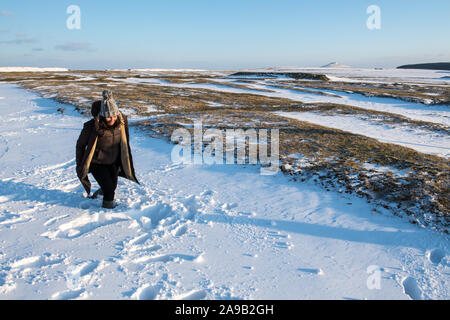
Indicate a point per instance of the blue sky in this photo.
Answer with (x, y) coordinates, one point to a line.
(222, 34)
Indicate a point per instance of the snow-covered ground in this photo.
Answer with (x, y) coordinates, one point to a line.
(370, 74)
(412, 110)
(421, 140)
(190, 232)
(209, 86)
(32, 69)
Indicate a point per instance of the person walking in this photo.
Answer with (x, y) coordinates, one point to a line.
(103, 149)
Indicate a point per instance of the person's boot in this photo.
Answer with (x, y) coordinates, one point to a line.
(97, 193)
(108, 204)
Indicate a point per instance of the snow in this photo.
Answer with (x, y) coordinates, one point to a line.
(140, 80)
(86, 79)
(378, 168)
(190, 231)
(128, 112)
(421, 140)
(416, 111)
(370, 74)
(208, 86)
(168, 70)
(31, 69)
(150, 108)
(342, 79)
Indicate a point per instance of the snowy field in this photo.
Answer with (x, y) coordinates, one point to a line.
(190, 232)
(420, 140)
(350, 74)
(31, 69)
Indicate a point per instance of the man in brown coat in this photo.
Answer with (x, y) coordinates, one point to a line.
(103, 149)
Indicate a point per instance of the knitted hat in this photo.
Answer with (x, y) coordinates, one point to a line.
(109, 107)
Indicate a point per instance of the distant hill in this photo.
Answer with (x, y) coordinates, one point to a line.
(293, 75)
(428, 66)
(335, 65)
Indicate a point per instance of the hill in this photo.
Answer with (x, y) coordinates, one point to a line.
(335, 65)
(428, 66)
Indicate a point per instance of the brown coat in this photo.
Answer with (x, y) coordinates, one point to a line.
(108, 144)
(86, 147)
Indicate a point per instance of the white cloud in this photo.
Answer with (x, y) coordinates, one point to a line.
(75, 46)
(20, 40)
(6, 13)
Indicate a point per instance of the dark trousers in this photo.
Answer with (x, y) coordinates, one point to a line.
(106, 176)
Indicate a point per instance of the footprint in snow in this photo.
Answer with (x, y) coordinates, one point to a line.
(79, 274)
(9, 219)
(313, 271)
(139, 240)
(207, 193)
(411, 288)
(247, 214)
(85, 205)
(277, 237)
(193, 295)
(140, 248)
(275, 234)
(167, 258)
(178, 232)
(68, 295)
(84, 224)
(284, 245)
(86, 267)
(436, 255)
(54, 220)
(146, 292)
(46, 259)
